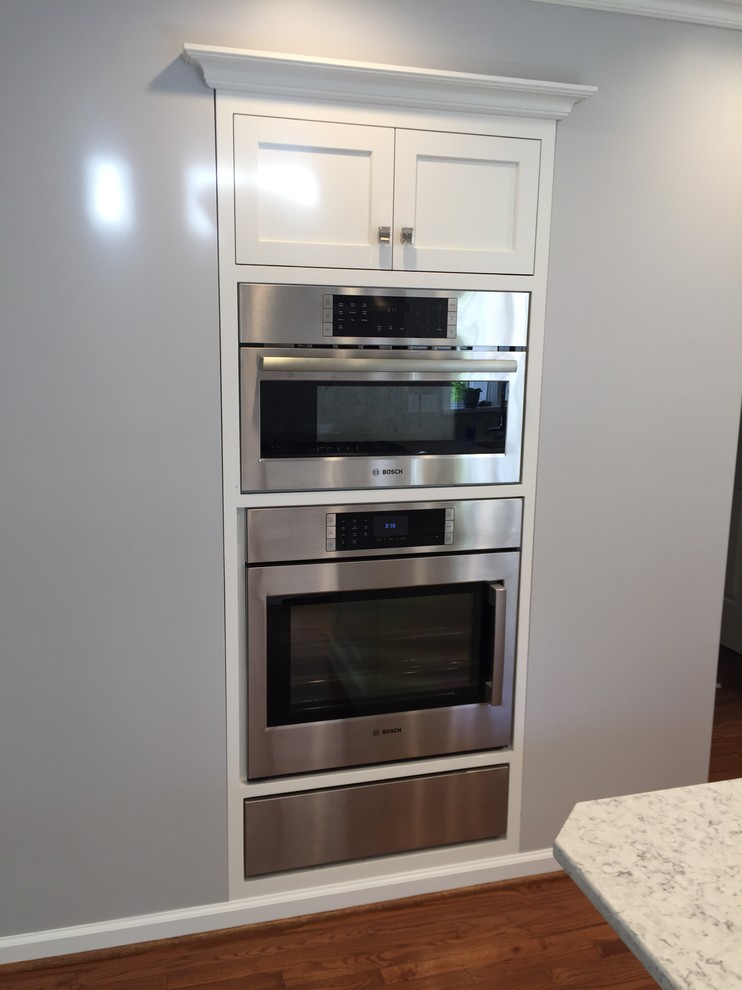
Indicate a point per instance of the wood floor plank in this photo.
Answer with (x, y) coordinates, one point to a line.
(506, 949)
(361, 980)
(246, 981)
(70, 978)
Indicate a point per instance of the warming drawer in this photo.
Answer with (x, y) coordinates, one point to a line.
(313, 828)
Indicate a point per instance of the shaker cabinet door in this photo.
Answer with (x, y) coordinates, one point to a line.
(465, 203)
(312, 193)
(321, 194)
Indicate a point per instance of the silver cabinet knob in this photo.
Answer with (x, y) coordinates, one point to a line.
(385, 235)
(408, 235)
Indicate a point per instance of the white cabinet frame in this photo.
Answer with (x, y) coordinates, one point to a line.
(399, 99)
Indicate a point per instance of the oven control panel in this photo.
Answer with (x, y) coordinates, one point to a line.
(335, 533)
(353, 315)
(381, 530)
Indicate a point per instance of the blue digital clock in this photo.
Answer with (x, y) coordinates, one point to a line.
(387, 524)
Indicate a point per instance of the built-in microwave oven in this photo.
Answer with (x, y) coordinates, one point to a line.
(346, 387)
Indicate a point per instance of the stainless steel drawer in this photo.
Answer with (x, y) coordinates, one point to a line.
(294, 831)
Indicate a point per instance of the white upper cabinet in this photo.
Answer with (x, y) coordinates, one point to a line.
(312, 193)
(465, 203)
(355, 165)
(321, 194)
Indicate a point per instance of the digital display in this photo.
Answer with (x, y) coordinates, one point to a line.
(389, 316)
(382, 530)
(390, 525)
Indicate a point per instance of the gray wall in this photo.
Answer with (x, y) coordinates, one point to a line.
(112, 758)
(642, 383)
(112, 788)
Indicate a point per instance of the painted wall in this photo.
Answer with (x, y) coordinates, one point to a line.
(112, 768)
(112, 792)
(642, 381)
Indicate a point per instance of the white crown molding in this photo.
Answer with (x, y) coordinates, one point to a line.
(713, 13)
(307, 78)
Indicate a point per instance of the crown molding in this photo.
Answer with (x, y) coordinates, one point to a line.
(713, 13)
(281, 76)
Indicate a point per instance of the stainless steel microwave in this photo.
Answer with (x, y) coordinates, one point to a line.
(354, 388)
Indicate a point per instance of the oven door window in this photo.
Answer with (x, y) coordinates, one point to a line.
(350, 654)
(321, 419)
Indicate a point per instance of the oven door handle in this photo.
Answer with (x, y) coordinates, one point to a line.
(364, 364)
(497, 599)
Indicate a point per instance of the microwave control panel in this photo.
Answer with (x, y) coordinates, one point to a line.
(389, 530)
(352, 315)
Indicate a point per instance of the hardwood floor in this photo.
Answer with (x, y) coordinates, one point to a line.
(536, 934)
(726, 743)
(532, 934)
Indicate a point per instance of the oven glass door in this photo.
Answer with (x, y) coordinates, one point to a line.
(341, 418)
(327, 418)
(353, 662)
(352, 654)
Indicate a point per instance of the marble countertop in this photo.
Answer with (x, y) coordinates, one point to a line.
(665, 870)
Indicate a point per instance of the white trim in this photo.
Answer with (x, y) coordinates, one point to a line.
(713, 13)
(307, 78)
(254, 910)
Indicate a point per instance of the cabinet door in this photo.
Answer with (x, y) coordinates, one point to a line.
(470, 201)
(312, 193)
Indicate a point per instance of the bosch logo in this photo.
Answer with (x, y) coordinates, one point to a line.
(393, 471)
(390, 732)
(376, 472)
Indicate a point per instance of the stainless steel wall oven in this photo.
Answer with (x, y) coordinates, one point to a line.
(344, 387)
(379, 632)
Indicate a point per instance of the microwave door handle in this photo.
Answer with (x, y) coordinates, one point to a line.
(497, 599)
(278, 363)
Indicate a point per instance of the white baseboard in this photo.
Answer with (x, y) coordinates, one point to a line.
(254, 910)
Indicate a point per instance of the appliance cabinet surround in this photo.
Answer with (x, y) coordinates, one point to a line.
(387, 181)
(324, 194)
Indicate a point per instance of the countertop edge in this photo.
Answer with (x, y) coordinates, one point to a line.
(630, 939)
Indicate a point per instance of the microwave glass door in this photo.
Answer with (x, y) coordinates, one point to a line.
(349, 654)
(326, 418)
